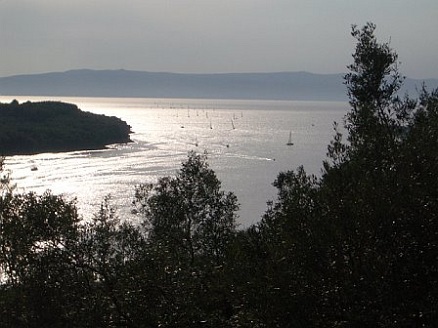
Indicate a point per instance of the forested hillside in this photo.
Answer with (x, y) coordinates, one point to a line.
(30, 128)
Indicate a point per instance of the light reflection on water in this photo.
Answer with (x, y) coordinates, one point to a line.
(245, 142)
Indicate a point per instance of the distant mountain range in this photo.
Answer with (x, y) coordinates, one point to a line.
(125, 83)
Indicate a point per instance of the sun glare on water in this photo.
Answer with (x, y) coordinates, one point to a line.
(245, 142)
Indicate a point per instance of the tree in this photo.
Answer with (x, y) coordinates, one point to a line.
(191, 224)
(372, 86)
(113, 255)
(372, 193)
(34, 233)
(189, 214)
(283, 255)
(356, 244)
(57, 268)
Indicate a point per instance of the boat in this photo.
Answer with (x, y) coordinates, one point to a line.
(290, 143)
(34, 168)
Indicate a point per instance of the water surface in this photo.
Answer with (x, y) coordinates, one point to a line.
(245, 142)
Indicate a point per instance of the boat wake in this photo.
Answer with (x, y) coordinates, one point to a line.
(249, 157)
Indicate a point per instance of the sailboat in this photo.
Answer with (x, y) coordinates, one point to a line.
(290, 143)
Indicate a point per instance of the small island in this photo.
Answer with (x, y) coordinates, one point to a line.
(51, 126)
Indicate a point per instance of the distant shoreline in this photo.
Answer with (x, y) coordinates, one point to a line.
(234, 86)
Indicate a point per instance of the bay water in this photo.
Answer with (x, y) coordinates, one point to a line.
(245, 141)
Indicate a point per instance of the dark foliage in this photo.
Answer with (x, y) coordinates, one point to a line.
(360, 244)
(58, 271)
(30, 128)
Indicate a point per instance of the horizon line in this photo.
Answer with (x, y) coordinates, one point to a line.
(189, 73)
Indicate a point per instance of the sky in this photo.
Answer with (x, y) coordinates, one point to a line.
(211, 36)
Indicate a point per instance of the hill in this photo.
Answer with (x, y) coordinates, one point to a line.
(30, 128)
(124, 83)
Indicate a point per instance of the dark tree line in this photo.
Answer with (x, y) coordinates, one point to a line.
(356, 247)
(30, 128)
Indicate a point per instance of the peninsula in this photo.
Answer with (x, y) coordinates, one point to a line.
(49, 126)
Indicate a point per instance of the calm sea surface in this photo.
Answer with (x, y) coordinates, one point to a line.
(245, 142)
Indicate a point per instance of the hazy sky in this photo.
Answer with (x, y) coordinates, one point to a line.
(210, 36)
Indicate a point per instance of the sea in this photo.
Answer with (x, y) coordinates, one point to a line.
(245, 142)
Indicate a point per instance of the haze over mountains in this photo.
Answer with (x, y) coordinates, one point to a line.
(125, 83)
